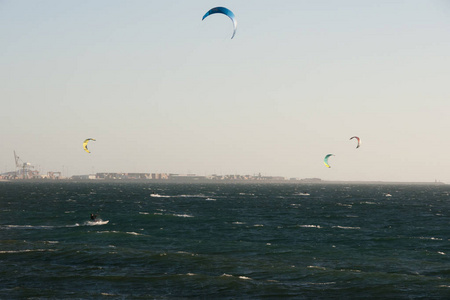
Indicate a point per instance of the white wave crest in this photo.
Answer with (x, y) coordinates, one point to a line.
(347, 227)
(368, 202)
(96, 223)
(27, 226)
(121, 232)
(316, 267)
(192, 196)
(430, 238)
(36, 226)
(134, 233)
(159, 196)
(183, 215)
(310, 226)
(302, 194)
(26, 250)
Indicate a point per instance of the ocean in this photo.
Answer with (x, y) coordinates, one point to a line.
(223, 241)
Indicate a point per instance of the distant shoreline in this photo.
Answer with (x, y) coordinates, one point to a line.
(206, 181)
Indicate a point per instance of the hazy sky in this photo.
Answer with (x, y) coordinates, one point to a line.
(163, 91)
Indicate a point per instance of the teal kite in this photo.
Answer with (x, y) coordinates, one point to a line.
(325, 160)
(225, 11)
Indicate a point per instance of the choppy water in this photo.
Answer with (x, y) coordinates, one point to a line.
(226, 241)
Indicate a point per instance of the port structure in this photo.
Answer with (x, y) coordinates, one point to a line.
(24, 169)
(54, 175)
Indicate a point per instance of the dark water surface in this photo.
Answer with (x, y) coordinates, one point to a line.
(224, 241)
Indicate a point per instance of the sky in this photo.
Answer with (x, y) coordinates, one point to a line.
(162, 91)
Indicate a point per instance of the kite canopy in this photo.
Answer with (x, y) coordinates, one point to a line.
(225, 11)
(325, 160)
(85, 144)
(358, 139)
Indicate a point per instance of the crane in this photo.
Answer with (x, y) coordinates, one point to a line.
(23, 167)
